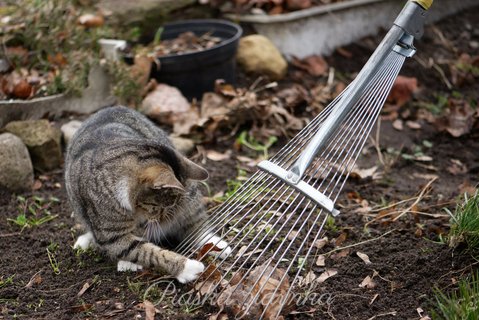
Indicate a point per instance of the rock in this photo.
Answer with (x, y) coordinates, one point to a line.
(257, 54)
(165, 104)
(16, 170)
(42, 140)
(69, 129)
(183, 145)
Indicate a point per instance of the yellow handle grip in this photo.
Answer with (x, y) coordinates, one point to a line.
(426, 4)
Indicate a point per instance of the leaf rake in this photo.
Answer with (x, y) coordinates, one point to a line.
(274, 219)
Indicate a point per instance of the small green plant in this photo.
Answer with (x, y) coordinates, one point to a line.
(34, 211)
(51, 251)
(465, 225)
(331, 224)
(250, 142)
(460, 304)
(6, 282)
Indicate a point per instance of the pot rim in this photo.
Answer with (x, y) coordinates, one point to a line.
(219, 22)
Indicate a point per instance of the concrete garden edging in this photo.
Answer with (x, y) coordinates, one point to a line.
(319, 30)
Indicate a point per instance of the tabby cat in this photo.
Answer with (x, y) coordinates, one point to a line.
(134, 194)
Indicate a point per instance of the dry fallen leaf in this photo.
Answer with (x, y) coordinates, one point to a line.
(85, 287)
(365, 173)
(149, 310)
(268, 292)
(363, 257)
(398, 124)
(321, 242)
(91, 20)
(320, 261)
(402, 90)
(341, 254)
(326, 275)
(368, 283)
(413, 125)
(217, 156)
(315, 65)
(459, 118)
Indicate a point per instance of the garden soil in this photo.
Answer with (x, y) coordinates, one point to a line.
(42, 277)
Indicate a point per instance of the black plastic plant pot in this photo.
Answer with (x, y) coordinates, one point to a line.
(195, 73)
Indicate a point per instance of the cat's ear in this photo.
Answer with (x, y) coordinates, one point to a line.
(193, 171)
(161, 177)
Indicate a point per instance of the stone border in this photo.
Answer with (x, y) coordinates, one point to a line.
(96, 96)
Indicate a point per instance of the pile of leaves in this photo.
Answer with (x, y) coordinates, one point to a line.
(186, 42)
(270, 7)
(48, 48)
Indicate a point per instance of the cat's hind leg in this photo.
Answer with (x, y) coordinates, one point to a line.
(85, 241)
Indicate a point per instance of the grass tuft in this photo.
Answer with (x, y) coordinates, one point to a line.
(460, 304)
(465, 225)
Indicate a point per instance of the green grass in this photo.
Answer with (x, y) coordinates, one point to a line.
(33, 211)
(250, 142)
(465, 225)
(462, 304)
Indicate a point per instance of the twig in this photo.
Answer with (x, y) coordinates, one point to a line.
(419, 198)
(360, 243)
(9, 234)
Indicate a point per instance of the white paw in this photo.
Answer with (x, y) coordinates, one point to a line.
(220, 244)
(84, 241)
(192, 271)
(127, 266)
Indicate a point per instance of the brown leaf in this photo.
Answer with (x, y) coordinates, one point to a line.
(367, 283)
(321, 242)
(341, 254)
(298, 4)
(320, 261)
(85, 287)
(91, 20)
(402, 90)
(413, 125)
(149, 310)
(22, 89)
(208, 247)
(57, 59)
(459, 118)
(315, 65)
(340, 239)
(140, 70)
(326, 275)
(37, 185)
(363, 257)
(217, 156)
(35, 280)
(398, 124)
(457, 167)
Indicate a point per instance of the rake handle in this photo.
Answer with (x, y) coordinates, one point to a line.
(410, 22)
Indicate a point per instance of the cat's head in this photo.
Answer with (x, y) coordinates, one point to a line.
(164, 188)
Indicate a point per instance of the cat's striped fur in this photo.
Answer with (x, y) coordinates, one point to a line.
(133, 193)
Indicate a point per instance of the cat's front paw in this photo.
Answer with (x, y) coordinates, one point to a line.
(220, 244)
(84, 241)
(191, 271)
(123, 265)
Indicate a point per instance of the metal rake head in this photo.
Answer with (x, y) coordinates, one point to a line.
(273, 222)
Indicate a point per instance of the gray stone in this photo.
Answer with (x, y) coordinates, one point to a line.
(42, 140)
(165, 103)
(69, 129)
(16, 170)
(183, 145)
(257, 54)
